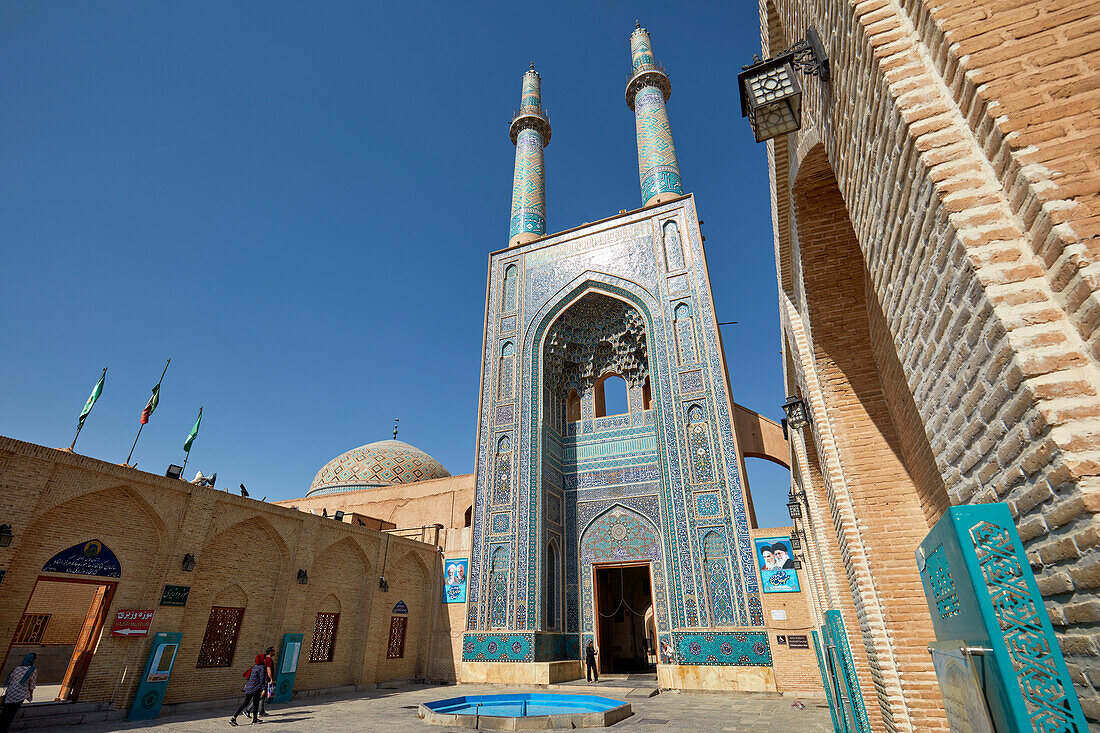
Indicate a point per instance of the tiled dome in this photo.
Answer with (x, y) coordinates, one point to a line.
(384, 463)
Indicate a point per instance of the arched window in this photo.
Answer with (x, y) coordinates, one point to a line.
(674, 250)
(573, 406)
(507, 356)
(717, 574)
(468, 518)
(510, 273)
(502, 473)
(611, 396)
(647, 395)
(551, 586)
(685, 333)
(498, 589)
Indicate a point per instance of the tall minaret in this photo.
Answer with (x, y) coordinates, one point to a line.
(646, 94)
(530, 133)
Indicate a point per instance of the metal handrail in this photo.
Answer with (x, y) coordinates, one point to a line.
(533, 111)
(646, 67)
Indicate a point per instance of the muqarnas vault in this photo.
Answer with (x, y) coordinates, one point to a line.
(627, 529)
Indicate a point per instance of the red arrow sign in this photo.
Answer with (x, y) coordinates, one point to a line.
(132, 622)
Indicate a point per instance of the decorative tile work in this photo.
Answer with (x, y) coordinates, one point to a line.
(554, 647)
(553, 276)
(498, 588)
(716, 563)
(507, 325)
(834, 628)
(507, 370)
(500, 523)
(528, 182)
(674, 251)
(497, 648)
(618, 535)
(685, 333)
(702, 467)
(678, 284)
(743, 648)
(691, 381)
(505, 414)
(658, 170)
(508, 295)
(381, 463)
(708, 504)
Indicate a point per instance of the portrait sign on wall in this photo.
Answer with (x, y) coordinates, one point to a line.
(777, 573)
(454, 580)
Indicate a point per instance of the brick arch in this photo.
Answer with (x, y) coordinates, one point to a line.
(232, 595)
(279, 544)
(893, 485)
(62, 525)
(132, 498)
(329, 604)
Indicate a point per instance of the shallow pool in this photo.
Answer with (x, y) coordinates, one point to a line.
(522, 705)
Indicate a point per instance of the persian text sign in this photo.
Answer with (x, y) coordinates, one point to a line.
(87, 558)
(132, 622)
(175, 595)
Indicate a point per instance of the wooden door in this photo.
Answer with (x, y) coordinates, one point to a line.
(86, 643)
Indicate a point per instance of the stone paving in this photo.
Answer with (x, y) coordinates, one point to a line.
(395, 710)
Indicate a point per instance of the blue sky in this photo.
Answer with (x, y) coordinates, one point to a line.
(295, 202)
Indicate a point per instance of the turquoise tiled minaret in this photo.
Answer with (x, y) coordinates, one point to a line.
(530, 133)
(646, 94)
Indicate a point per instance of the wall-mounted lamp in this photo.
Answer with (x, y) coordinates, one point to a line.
(796, 541)
(303, 577)
(794, 507)
(383, 585)
(5, 535)
(797, 564)
(798, 415)
(174, 471)
(338, 516)
(771, 96)
(188, 563)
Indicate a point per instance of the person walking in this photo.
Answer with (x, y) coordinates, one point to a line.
(590, 668)
(253, 688)
(20, 687)
(269, 686)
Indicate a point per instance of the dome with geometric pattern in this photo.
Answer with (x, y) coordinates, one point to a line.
(384, 463)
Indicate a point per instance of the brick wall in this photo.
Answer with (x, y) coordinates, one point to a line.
(795, 669)
(247, 554)
(961, 137)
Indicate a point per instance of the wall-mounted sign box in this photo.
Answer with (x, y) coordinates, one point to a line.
(175, 595)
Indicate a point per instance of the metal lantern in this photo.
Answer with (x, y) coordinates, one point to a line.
(771, 98)
(5, 535)
(188, 563)
(796, 541)
(798, 416)
(303, 577)
(794, 507)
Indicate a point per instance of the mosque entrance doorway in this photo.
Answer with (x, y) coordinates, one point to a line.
(61, 625)
(624, 613)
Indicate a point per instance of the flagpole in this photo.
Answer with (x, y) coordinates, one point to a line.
(187, 444)
(186, 457)
(80, 425)
(143, 424)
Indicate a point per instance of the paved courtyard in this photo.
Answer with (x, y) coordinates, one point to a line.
(395, 710)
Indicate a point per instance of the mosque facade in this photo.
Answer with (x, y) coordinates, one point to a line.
(584, 517)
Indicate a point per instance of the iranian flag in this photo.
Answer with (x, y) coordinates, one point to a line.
(152, 405)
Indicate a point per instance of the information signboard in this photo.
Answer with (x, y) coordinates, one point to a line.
(132, 622)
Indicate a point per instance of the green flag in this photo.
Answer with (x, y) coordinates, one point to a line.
(96, 392)
(193, 434)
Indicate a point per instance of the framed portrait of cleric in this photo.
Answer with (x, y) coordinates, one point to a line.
(454, 580)
(777, 571)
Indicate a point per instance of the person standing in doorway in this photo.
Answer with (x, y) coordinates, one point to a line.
(20, 687)
(590, 669)
(253, 689)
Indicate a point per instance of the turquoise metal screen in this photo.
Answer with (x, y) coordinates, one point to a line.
(984, 601)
